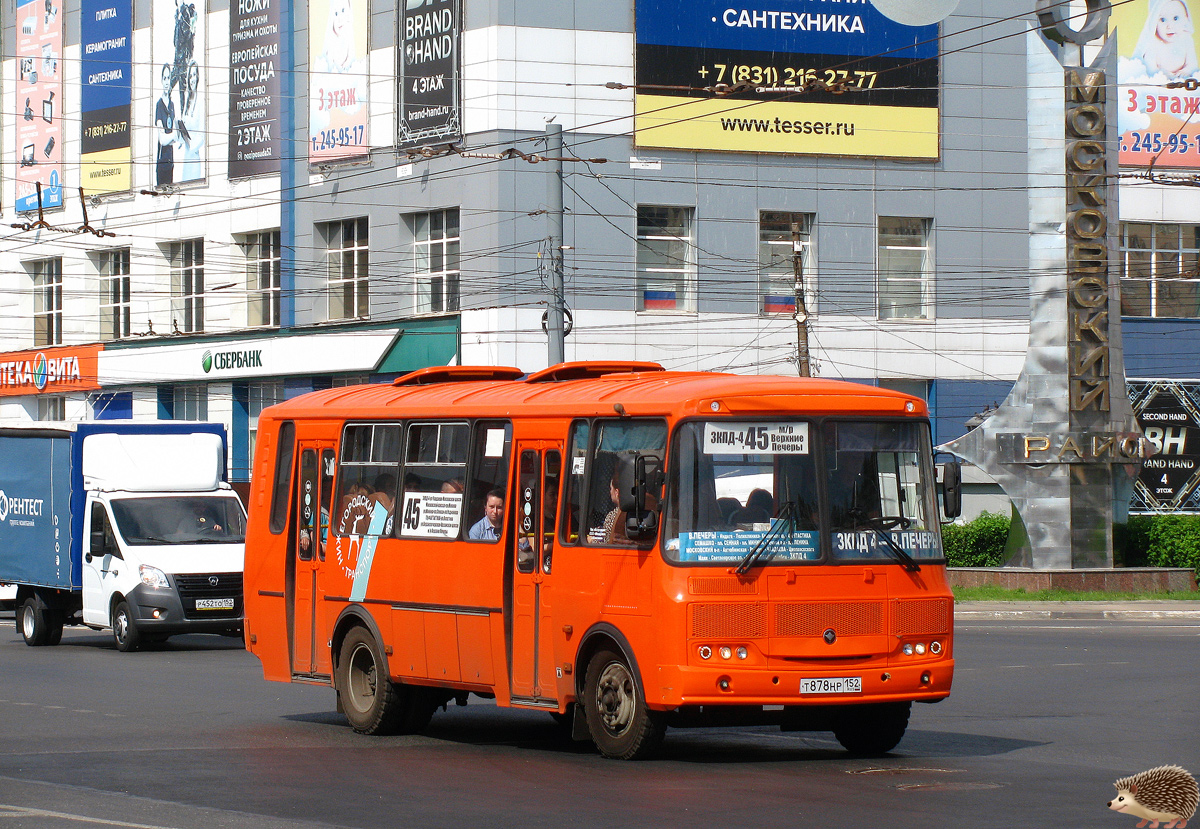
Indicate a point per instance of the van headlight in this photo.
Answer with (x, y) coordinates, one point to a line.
(153, 577)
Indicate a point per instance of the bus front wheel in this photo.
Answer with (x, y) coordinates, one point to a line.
(871, 730)
(618, 720)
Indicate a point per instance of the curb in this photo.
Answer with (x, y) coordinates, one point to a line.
(1083, 614)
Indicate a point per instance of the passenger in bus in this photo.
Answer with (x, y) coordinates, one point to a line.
(488, 527)
(454, 485)
(385, 491)
(614, 521)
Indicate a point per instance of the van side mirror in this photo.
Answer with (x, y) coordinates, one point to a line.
(97, 547)
(951, 487)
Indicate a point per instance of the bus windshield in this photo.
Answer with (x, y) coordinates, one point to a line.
(789, 491)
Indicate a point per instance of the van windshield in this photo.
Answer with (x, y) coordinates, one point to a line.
(181, 519)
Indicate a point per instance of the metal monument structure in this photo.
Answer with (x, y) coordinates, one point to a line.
(1065, 445)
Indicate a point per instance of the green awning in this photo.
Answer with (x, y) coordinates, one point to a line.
(420, 344)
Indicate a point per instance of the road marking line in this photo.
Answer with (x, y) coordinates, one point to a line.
(7, 810)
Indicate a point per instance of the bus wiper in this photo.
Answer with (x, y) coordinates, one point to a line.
(784, 522)
(880, 526)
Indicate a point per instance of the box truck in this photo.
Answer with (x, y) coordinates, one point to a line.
(129, 527)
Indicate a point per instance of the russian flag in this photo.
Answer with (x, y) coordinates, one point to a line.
(779, 304)
(659, 301)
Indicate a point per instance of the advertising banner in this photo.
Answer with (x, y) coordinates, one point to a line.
(804, 77)
(255, 144)
(180, 110)
(1157, 45)
(39, 103)
(49, 370)
(106, 96)
(428, 72)
(337, 93)
(1168, 412)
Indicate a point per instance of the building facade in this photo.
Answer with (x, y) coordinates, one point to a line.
(281, 198)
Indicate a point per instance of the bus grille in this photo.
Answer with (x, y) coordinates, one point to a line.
(812, 618)
(722, 621)
(193, 586)
(708, 585)
(923, 617)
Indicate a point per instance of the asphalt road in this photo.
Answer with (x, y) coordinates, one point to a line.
(1045, 714)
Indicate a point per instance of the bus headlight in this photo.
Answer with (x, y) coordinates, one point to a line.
(705, 652)
(907, 649)
(726, 652)
(920, 648)
(935, 648)
(742, 653)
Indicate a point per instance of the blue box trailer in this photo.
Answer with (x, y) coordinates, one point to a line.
(55, 511)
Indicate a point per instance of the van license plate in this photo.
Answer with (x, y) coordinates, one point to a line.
(832, 685)
(214, 604)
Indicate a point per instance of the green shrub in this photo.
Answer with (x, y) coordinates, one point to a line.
(978, 543)
(1174, 541)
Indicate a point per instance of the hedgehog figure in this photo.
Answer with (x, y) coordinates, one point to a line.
(1166, 794)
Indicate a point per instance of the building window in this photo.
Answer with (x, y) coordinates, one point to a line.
(905, 283)
(264, 264)
(47, 302)
(191, 403)
(348, 380)
(260, 396)
(666, 259)
(1159, 270)
(435, 260)
(52, 408)
(187, 286)
(114, 294)
(778, 244)
(346, 266)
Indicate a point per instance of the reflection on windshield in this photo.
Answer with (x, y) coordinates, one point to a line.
(186, 519)
(761, 492)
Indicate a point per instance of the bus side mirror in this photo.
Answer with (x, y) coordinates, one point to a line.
(641, 498)
(951, 489)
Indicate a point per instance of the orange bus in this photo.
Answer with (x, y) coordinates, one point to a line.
(626, 548)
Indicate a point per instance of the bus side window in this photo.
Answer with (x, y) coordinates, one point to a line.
(572, 513)
(435, 467)
(490, 450)
(366, 487)
(284, 449)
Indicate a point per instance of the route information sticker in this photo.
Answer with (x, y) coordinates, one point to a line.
(728, 437)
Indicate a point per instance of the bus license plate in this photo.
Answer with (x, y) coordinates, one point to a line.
(214, 604)
(832, 685)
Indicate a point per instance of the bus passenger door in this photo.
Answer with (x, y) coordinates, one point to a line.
(311, 509)
(532, 677)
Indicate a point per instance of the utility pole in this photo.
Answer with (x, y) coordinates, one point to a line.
(801, 311)
(555, 334)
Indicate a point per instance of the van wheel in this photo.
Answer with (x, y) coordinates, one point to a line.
(33, 623)
(871, 730)
(371, 703)
(618, 720)
(124, 628)
(54, 625)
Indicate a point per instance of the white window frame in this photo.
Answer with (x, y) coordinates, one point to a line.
(114, 293)
(904, 294)
(1166, 266)
(436, 275)
(347, 261)
(186, 258)
(264, 272)
(258, 397)
(190, 402)
(777, 273)
(47, 277)
(51, 407)
(666, 259)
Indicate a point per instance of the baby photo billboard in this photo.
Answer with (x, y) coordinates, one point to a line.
(1157, 46)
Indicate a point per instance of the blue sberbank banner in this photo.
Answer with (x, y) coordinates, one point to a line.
(819, 77)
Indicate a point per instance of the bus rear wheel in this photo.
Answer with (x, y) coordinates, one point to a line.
(372, 703)
(618, 720)
(871, 730)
